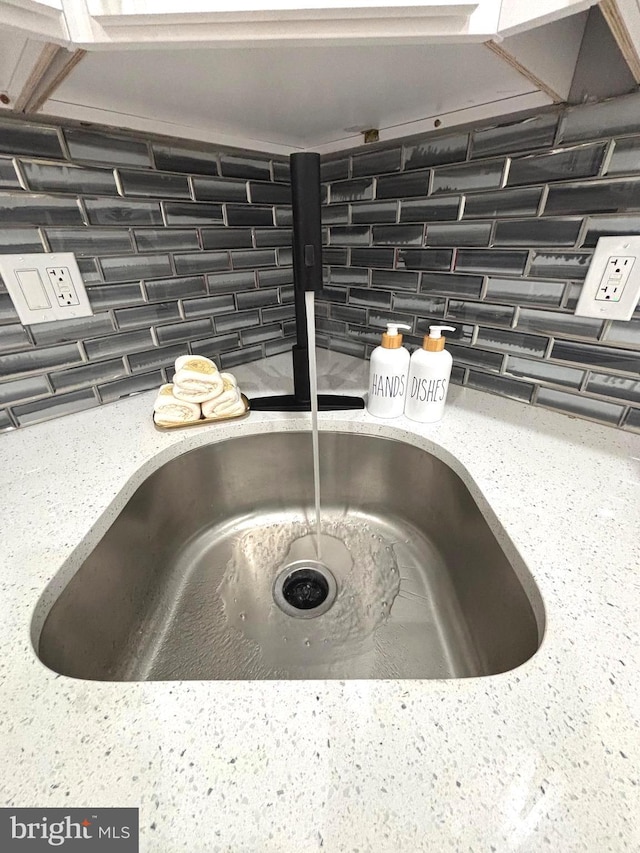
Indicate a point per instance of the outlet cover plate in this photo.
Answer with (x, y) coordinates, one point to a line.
(611, 289)
(45, 287)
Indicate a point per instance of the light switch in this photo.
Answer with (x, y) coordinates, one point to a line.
(33, 289)
(45, 287)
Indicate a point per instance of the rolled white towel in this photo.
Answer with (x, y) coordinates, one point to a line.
(219, 408)
(213, 408)
(230, 394)
(229, 378)
(196, 379)
(168, 409)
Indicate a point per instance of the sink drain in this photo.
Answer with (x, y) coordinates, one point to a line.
(305, 589)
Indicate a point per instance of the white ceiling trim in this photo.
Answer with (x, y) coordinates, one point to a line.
(61, 109)
(494, 109)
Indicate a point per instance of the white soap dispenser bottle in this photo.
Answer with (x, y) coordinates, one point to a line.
(429, 374)
(388, 374)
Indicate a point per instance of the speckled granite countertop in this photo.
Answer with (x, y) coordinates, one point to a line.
(543, 757)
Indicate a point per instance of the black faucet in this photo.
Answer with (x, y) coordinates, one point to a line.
(307, 276)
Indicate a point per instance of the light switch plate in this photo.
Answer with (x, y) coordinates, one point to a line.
(45, 287)
(611, 289)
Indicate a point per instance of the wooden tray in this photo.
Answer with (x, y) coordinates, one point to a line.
(163, 426)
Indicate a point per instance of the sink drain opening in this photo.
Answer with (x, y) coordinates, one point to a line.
(305, 589)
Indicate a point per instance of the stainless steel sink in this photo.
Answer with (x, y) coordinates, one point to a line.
(190, 580)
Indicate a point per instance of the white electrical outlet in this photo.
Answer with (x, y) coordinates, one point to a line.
(45, 287)
(611, 289)
(62, 284)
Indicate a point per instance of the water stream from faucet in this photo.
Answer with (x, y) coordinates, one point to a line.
(313, 386)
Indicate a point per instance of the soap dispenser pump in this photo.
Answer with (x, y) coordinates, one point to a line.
(388, 374)
(429, 374)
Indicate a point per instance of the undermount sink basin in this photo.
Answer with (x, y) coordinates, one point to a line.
(211, 571)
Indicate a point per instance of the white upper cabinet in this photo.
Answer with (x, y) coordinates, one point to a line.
(281, 74)
(100, 24)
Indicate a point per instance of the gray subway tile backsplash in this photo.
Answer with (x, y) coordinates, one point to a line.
(437, 260)
(89, 241)
(395, 279)
(269, 193)
(438, 209)
(436, 151)
(632, 420)
(55, 407)
(480, 312)
(16, 240)
(512, 341)
(615, 196)
(69, 331)
(99, 147)
(373, 212)
(174, 288)
(234, 166)
(560, 264)
(619, 387)
(13, 337)
(219, 189)
(173, 158)
(232, 282)
(403, 186)
(609, 226)
(226, 238)
(112, 391)
(169, 275)
(397, 235)
(199, 262)
(186, 331)
(522, 290)
(585, 407)
(490, 261)
(166, 239)
(469, 177)
(509, 202)
(500, 385)
(115, 296)
(147, 315)
(131, 267)
(609, 358)
(158, 184)
(537, 232)
(519, 135)
(544, 371)
(192, 213)
(142, 362)
(594, 121)
(62, 178)
(376, 162)
(625, 159)
(39, 360)
(8, 175)
(208, 306)
(20, 390)
(564, 165)
(245, 214)
(104, 211)
(27, 209)
(459, 234)
(553, 322)
(625, 333)
(452, 285)
(127, 342)
(30, 140)
(87, 375)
